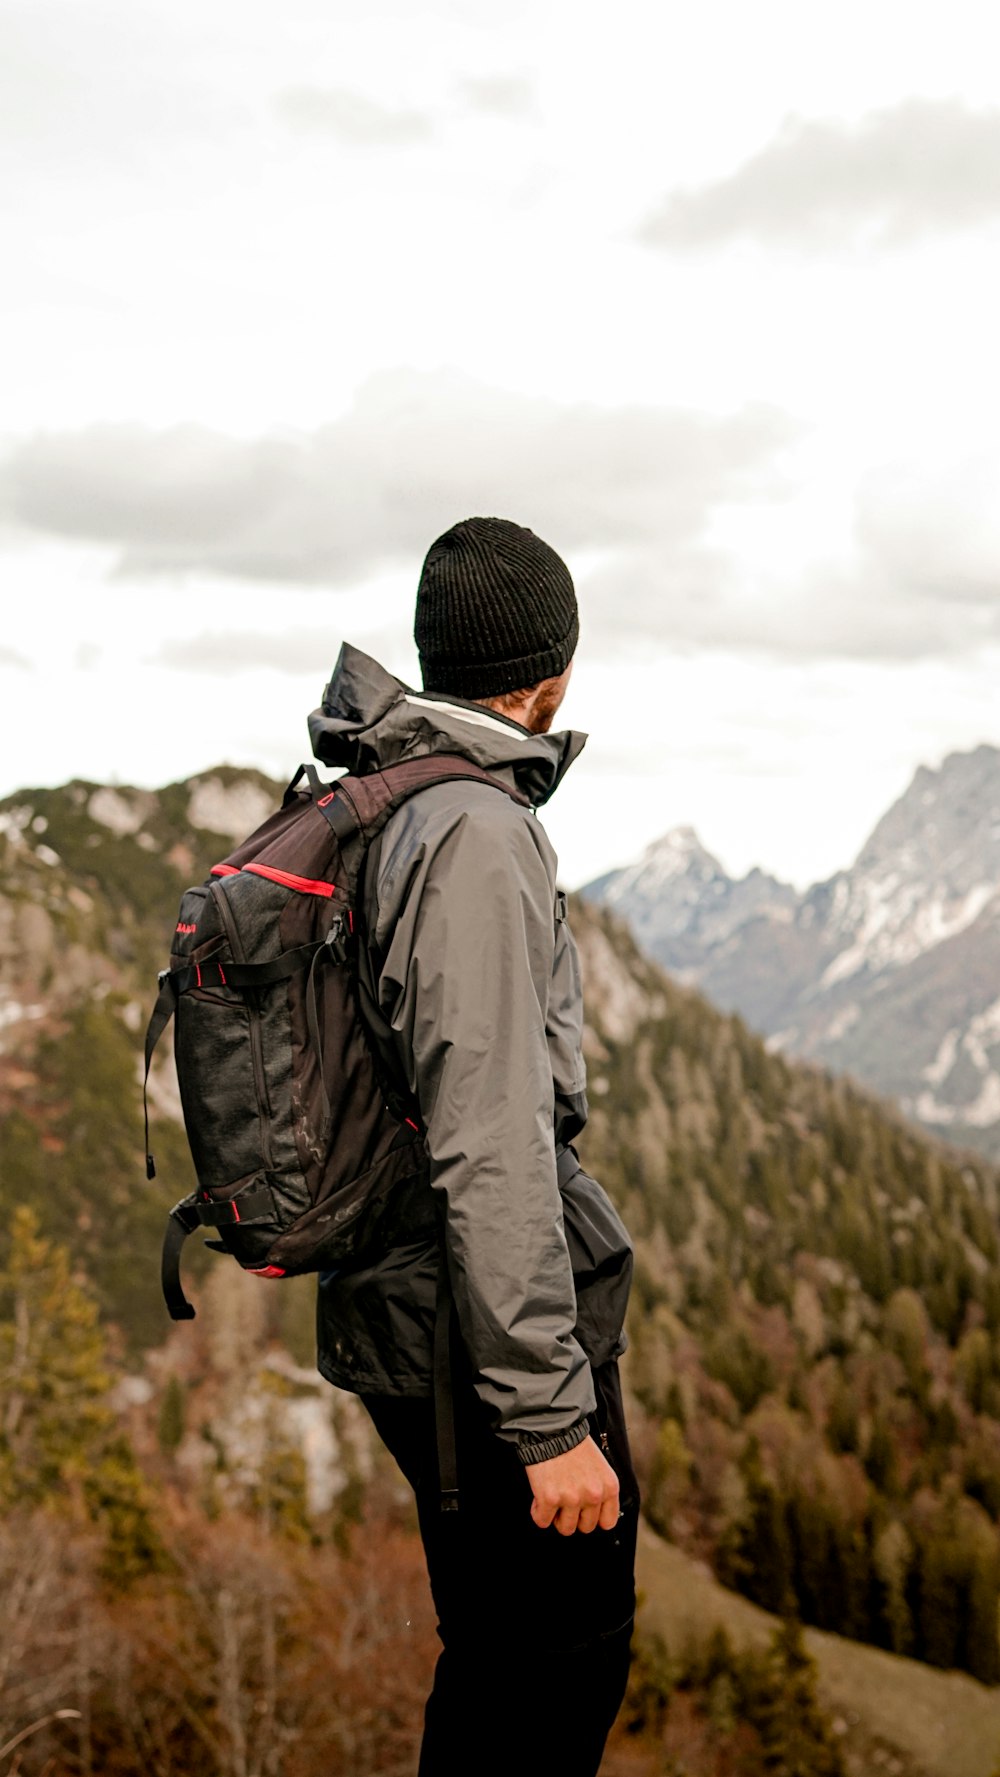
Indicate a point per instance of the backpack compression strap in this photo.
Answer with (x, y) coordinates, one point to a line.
(254, 1202)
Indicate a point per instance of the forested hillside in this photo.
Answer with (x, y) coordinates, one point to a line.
(815, 1321)
(814, 1362)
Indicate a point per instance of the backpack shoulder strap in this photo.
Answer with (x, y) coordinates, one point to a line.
(359, 807)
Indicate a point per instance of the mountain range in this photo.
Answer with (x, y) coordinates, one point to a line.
(888, 970)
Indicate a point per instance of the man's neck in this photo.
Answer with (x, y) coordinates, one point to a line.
(516, 710)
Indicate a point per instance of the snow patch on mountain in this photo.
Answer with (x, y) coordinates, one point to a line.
(895, 921)
(14, 823)
(678, 853)
(984, 1028)
(122, 812)
(231, 809)
(939, 1069)
(982, 1113)
(842, 1021)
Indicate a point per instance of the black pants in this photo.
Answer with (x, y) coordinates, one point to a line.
(535, 1626)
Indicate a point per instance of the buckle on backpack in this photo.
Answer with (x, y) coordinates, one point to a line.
(336, 941)
(218, 1215)
(254, 1203)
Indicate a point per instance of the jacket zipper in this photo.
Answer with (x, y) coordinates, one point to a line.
(218, 894)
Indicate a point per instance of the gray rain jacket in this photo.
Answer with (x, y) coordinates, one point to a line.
(470, 986)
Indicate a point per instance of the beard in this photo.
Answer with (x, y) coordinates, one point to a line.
(550, 696)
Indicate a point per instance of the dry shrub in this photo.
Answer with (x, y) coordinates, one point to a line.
(255, 1656)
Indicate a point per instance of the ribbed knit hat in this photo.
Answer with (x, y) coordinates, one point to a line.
(496, 610)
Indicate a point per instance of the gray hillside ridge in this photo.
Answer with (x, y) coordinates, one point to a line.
(888, 969)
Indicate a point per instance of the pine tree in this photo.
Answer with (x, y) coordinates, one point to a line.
(118, 1498)
(53, 1379)
(171, 1422)
(669, 1476)
(974, 1366)
(796, 1737)
(280, 1493)
(892, 1559)
(757, 1557)
(59, 1442)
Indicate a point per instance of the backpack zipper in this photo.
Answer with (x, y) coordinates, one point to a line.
(218, 894)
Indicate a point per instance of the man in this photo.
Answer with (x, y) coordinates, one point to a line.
(471, 992)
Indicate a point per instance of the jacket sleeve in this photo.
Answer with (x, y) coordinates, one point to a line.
(468, 915)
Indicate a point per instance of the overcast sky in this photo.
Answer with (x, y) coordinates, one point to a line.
(706, 296)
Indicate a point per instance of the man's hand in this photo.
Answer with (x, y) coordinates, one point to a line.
(575, 1491)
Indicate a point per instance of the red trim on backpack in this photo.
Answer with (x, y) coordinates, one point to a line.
(181, 927)
(306, 885)
(224, 870)
(413, 1125)
(266, 1270)
(324, 801)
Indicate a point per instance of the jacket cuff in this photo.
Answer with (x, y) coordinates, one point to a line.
(531, 1449)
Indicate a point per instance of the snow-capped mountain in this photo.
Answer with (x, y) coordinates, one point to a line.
(889, 970)
(680, 902)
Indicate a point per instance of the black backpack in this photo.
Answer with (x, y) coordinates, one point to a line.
(296, 1135)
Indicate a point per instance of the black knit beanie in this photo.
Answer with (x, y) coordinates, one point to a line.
(496, 610)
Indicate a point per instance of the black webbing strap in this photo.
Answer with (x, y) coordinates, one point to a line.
(334, 803)
(444, 1400)
(289, 795)
(316, 1035)
(163, 1011)
(216, 974)
(255, 1203)
(182, 1221)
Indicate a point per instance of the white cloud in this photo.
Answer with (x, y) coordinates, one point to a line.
(414, 454)
(506, 95)
(681, 528)
(225, 652)
(934, 532)
(920, 167)
(353, 118)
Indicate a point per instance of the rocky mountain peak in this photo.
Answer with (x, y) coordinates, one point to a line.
(679, 853)
(946, 823)
(888, 969)
(679, 898)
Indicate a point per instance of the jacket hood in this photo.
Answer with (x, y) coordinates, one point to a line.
(369, 719)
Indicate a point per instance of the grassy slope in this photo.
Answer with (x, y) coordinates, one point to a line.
(942, 1723)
